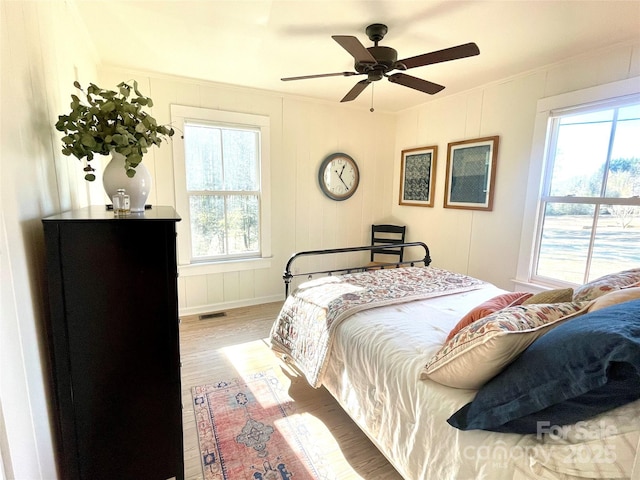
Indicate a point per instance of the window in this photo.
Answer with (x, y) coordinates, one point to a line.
(223, 187)
(221, 168)
(589, 206)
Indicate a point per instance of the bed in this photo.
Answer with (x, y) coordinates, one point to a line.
(446, 374)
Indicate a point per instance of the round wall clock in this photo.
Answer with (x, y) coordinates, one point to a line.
(339, 176)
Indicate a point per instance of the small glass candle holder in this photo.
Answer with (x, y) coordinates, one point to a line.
(121, 203)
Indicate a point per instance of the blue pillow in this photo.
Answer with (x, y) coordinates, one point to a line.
(583, 367)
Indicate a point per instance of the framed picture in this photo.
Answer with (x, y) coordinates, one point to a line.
(417, 176)
(471, 173)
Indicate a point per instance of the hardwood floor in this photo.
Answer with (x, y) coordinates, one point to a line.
(225, 347)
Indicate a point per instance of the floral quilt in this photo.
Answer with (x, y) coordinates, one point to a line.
(302, 333)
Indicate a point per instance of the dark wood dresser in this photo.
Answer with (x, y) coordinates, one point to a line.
(113, 339)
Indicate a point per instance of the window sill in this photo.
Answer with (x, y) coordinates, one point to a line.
(530, 286)
(193, 269)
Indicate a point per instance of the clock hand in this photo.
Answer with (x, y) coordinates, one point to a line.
(340, 177)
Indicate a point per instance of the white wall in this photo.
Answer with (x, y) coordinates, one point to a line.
(303, 132)
(479, 243)
(43, 52)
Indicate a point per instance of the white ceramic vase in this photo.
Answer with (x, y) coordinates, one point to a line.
(138, 187)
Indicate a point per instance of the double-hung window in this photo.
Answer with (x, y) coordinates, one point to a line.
(221, 185)
(589, 206)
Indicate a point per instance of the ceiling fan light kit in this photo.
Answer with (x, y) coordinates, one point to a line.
(378, 61)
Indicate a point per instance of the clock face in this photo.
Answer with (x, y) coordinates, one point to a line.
(339, 176)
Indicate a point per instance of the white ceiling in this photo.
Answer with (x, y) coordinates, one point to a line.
(255, 43)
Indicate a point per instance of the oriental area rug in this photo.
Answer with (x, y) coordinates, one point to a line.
(248, 428)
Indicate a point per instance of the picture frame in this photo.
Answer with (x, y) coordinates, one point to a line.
(417, 176)
(471, 173)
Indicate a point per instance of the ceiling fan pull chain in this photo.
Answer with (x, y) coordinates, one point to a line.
(372, 87)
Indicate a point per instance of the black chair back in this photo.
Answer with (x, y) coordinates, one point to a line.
(386, 235)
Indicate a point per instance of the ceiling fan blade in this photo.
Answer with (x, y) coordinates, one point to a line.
(356, 90)
(452, 53)
(355, 48)
(415, 83)
(337, 74)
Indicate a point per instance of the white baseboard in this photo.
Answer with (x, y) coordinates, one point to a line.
(217, 307)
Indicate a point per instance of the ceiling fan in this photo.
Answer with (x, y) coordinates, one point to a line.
(377, 62)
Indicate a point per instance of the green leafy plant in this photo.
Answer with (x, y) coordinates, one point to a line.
(110, 121)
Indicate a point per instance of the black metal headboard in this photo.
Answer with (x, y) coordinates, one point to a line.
(288, 276)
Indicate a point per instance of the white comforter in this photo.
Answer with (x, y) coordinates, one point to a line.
(373, 372)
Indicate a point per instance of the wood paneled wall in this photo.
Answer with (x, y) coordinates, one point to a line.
(487, 244)
(303, 133)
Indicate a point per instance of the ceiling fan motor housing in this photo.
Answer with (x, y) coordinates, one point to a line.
(386, 58)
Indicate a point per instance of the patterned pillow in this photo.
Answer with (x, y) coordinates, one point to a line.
(606, 284)
(482, 349)
(615, 297)
(551, 296)
(492, 305)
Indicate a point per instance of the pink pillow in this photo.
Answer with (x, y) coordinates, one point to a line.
(487, 308)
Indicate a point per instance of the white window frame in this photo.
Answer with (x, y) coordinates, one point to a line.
(181, 114)
(537, 166)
